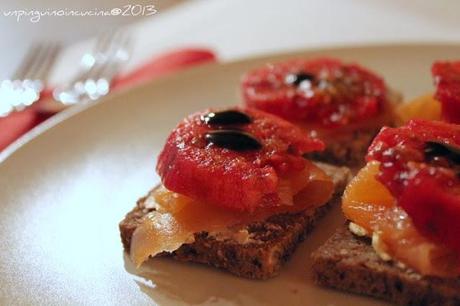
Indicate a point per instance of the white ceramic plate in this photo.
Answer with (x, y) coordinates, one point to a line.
(63, 193)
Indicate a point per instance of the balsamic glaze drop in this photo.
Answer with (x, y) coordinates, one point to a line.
(229, 117)
(434, 149)
(296, 79)
(233, 139)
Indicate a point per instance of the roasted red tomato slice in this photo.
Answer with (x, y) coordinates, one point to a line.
(420, 165)
(433, 203)
(233, 158)
(323, 92)
(447, 80)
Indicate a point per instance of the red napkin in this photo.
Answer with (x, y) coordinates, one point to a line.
(18, 123)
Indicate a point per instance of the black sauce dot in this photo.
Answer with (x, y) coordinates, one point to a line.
(233, 139)
(296, 79)
(434, 149)
(229, 117)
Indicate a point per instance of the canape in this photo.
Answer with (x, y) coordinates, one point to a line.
(343, 104)
(236, 193)
(402, 240)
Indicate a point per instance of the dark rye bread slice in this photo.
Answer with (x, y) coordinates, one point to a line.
(256, 251)
(348, 262)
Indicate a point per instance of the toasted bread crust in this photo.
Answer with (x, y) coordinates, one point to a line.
(349, 263)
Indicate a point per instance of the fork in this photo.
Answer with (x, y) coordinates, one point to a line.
(29, 80)
(98, 69)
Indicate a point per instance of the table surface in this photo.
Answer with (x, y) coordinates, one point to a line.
(233, 28)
